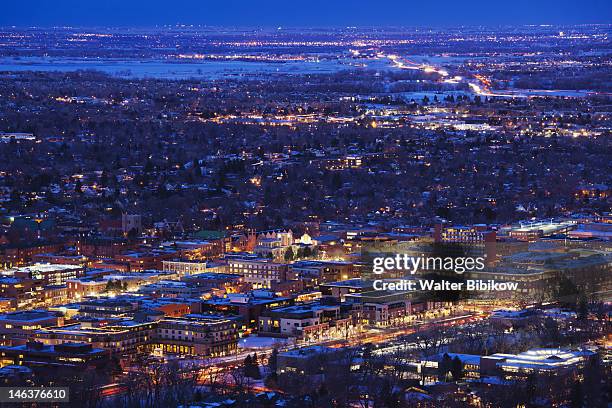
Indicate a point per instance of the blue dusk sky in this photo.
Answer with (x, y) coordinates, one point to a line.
(269, 13)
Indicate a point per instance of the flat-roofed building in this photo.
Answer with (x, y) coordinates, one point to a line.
(249, 306)
(602, 231)
(182, 268)
(538, 272)
(260, 272)
(306, 360)
(48, 274)
(199, 336)
(34, 354)
(54, 295)
(83, 287)
(557, 362)
(514, 318)
(105, 308)
(17, 327)
(187, 267)
(173, 289)
(340, 289)
(229, 283)
(317, 272)
(100, 248)
(197, 249)
(22, 254)
(139, 261)
(532, 231)
(477, 240)
(60, 259)
(473, 234)
(121, 337)
(312, 321)
(381, 308)
(22, 292)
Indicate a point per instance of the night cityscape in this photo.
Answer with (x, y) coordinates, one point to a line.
(204, 206)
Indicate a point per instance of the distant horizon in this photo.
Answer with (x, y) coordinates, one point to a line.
(316, 13)
(297, 27)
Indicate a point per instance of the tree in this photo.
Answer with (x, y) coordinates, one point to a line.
(289, 254)
(113, 285)
(256, 374)
(582, 311)
(531, 387)
(444, 367)
(576, 395)
(221, 178)
(567, 292)
(457, 369)
(300, 253)
(551, 330)
(132, 234)
(307, 252)
(148, 168)
(251, 367)
(594, 386)
(104, 179)
(271, 380)
(336, 181)
(247, 364)
(273, 360)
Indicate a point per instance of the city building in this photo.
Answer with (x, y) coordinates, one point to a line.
(381, 308)
(306, 360)
(259, 272)
(558, 362)
(538, 272)
(341, 289)
(532, 231)
(119, 337)
(139, 261)
(17, 327)
(83, 287)
(131, 224)
(308, 322)
(229, 283)
(22, 254)
(197, 336)
(182, 268)
(174, 289)
(249, 306)
(77, 356)
(316, 272)
(477, 240)
(48, 274)
(273, 244)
